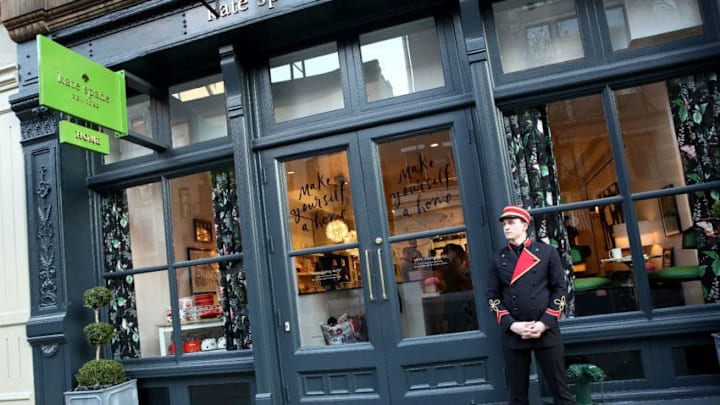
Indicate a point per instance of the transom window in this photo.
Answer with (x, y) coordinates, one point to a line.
(396, 61)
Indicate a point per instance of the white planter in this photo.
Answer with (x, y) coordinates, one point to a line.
(121, 394)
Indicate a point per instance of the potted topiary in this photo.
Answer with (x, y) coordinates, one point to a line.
(101, 381)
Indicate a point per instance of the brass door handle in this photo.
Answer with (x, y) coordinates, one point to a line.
(382, 274)
(368, 275)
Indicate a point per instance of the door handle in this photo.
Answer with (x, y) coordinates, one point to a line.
(368, 275)
(382, 274)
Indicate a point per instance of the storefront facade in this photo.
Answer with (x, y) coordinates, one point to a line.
(308, 196)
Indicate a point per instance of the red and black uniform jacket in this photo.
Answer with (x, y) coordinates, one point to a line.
(528, 287)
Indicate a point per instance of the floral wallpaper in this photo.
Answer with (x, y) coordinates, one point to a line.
(117, 256)
(695, 104)
(234, 285)
(535, 183)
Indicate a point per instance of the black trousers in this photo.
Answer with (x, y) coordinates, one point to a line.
(552, 364)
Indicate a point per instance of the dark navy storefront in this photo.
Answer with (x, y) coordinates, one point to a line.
(321, 159)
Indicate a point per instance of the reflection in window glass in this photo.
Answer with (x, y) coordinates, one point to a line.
(536, 33)
(635, 24)
(306, 82)
(197, 111)
(330, 302)
(139, 122)
(435, 285)
(420, 183)
(401, 60)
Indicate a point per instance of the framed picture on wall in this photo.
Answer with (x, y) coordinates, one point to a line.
(203, 277)
(669, 214)
(203, 230)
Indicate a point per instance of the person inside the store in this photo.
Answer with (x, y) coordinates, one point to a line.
(458, 309)
(527, 291)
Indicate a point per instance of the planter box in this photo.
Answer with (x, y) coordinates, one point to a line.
(121, 394)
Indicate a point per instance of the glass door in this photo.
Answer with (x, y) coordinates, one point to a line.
(379, 301)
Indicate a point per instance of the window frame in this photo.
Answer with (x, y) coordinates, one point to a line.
(601, 61)
(352, 80)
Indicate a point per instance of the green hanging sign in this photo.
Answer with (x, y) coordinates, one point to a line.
(77, 86)
(83, 137)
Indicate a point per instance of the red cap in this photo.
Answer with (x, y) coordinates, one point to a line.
(513, 211)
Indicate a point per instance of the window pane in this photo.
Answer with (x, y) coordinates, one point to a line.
(147, 227)
(152, 294)
(603, 279)
(197, 111)
(192, 212)
(435, 285)
(635, 24)
(420, 183)
(306, 82)
(669, 242)
(201, 315)
(581, 145)
(140, 122)
(320, 201)
(536, 33)
(330, 301)
(401, 60)
(651, 146)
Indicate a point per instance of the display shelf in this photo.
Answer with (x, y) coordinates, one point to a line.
(165, 330)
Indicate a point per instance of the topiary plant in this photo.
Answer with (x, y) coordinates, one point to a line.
(96, 374)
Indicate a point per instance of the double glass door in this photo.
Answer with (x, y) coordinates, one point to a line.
(376, 286)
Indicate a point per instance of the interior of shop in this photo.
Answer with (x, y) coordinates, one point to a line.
(598, 236)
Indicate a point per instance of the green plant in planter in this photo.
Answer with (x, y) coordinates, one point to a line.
(99, 373)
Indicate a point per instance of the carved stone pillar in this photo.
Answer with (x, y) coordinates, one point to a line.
(60, 260)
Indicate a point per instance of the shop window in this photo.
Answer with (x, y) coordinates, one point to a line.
(561, 153)
(637, 24)
(401, 60)
(536, 33)
(306, 82)
(209, 304)
(197, 111)
(624, 365)
(139, 121)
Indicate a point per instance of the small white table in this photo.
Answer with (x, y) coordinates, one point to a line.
(165, 329)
